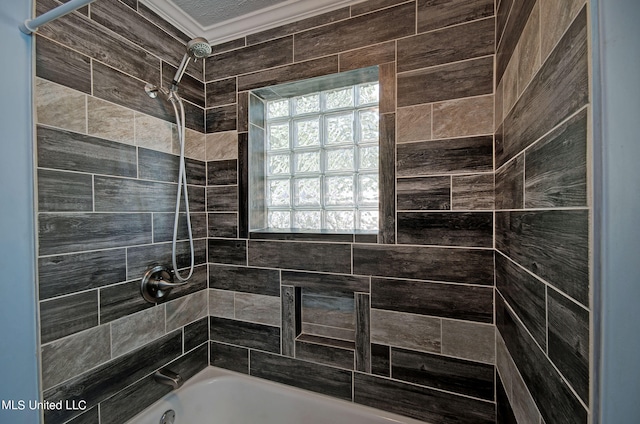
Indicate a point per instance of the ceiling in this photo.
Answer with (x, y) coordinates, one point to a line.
(225, 20)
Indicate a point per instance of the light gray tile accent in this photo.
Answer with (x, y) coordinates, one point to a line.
(110, 121)
(221, 303)
(185, 310)
(469, 340)
(257, 308)
(410, 331)
(59, 106)
(137, 330)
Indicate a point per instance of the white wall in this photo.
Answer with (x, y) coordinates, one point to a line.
(617, 81)
(18, 341)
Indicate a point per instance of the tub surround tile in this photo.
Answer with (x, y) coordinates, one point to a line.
(328, 332)
(322, 257)
(323, 354)
(222, 92)
(156, 19)
(243, 111)
(529, 49)
(525, 294)
(136, 330)
(472, 192)
(196, 334)
(447, 45)
(257, 308)
(556, 167)
(503, 8)
(69, 357)
(108, 379)
(222, 172)
(510, 184)
(553, 396)
(410, 331)
(451, 81)
(160, 166)
(458, 155)
(121, 300)
(455, 301)
(504, 412)
(363, 332)
(142, 258)
(123, 195)
(470, 229)
(222, 145)
(230, 252)
(424, 193)
(328, 310)
(552, 244)
(66, 150)
(380, 360)
(327, 284)
(554, 20)
(163, 226)
(59, 106)
(372, 5)
(291, 298)
(302, 374)
(88, 417)
(221, 303)
(186, 309)
(414, 123)
(450, 374)
(154, 133)
(289, 73)
(463, 117)
(438, 14)
(513, 27)
(569, 341)
(247, 280)
(457, 265)
(222, 198)
(64, 191)
(368, 56)
(395, 22)
(113, 122)
(223, 225)
(229, 357)
(191, 88)
(64, 66)
(559, 89)
(469, 340)
(301, 25)
(420, 402)
(387, 183)
(222, 118)
(246, 334)
(65, 274)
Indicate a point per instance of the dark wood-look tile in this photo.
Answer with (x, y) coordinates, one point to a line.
(232, 252)
(327, 284)
(472, 192)
(301, 25)
(291, 318)
(119, 88)
(126, 195)
(195, 117)
(142, 394)
(64, 66)
(88, 417)
(158, 20)
(246, 280)
(467, 229)
(159, 166)
(387, 172)
(372, 6)
(569, 341)
(190, 88)
(363, 332)
(526, 296)
(426, 193)
(504, 412)
(458, 155)
(331, 311)
(141, 258)
(83, 35)
(68, 315)
(434, 14)
(163, 226)
(247, 334)
(256, 110)
(222, 199)
(513, 28)
(66, 233)
(380, 360)
(322, 257)
(289, 73)
(556, 167)
(222, 172)
(510, 184)
(112, 377)
(470, 303)
(441, 372)
(503, 8)
(223, 118)
(196, 334)
(387, 89)
(221, 92)
(229, 357)
(243, 112)
(66, 274)
(243, 185)
(66, 150)
(447, 45)
(471, 266)
(249, 59)
(302, 374)
(421, 403)
(469, 340)
(365, 238)
(559, 89)
(552, 395)
(385, 25)
(552, 244)
(224, 225)
(229, 45)
(368, 56)
(121, 300)
(64, 192)
(323, 354)
(453, 81)
(302, 235)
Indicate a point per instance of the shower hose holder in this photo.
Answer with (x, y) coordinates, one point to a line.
(157, 283)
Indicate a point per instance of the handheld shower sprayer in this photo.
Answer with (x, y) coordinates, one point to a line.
(198, 48)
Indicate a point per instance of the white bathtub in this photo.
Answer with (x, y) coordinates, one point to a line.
(216, 396)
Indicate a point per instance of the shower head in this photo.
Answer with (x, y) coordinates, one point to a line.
(198, 48)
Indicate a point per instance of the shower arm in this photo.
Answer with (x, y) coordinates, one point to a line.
(31, 25)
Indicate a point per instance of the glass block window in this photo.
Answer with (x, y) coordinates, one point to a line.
(321, 165)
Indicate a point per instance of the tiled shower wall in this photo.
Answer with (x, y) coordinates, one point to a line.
(402, 321)
(542, 211)
(106, 181)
